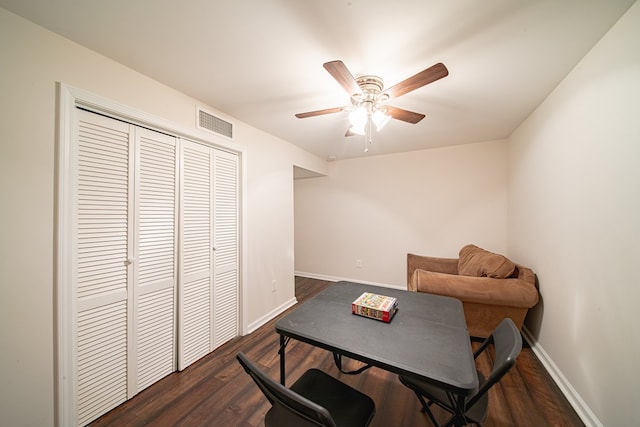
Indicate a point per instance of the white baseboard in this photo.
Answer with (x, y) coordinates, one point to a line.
(579, 405)
(270, 315)
(339, 279)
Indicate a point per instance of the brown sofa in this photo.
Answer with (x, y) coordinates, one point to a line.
(489, 285)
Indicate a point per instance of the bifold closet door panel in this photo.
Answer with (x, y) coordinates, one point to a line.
(196, 254)
(209, 284)
(155, 259)
(102, 236)
(225, 238)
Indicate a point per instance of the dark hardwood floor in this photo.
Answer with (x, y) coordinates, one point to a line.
(215, 391)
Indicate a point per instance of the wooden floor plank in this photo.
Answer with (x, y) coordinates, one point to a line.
(215, 391)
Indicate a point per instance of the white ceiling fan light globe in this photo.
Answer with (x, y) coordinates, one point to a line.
(358, 118)
(380, 119)
(358, 130)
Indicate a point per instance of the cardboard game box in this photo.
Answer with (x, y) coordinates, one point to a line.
(379, 307)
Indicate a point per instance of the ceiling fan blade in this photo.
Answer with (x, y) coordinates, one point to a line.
(349, 133)
(424, 77)
(341, 73)
(319, 112)
(404, 115)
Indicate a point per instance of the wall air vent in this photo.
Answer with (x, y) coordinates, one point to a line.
(214, 124)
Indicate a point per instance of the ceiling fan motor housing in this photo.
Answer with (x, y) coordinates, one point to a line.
(371, 95)
(370, 84)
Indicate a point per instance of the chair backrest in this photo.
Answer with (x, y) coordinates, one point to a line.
(508, 344)
(287, 399)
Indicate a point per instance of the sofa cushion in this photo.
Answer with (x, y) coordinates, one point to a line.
(477, 262)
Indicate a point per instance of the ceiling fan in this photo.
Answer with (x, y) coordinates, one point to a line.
(368, 98)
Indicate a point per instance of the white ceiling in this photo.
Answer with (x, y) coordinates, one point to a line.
(261, 60)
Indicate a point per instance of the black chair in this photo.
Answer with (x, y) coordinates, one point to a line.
(508, 343)
(315, 399)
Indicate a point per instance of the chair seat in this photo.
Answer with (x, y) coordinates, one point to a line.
(332, 394)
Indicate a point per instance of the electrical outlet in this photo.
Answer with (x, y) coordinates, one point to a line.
(273, 285)
(358, 263)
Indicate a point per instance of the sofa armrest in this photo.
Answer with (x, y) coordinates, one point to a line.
(440, 265)
(526, 274)
(483, 290)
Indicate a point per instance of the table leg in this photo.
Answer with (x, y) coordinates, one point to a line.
(459, 415)
(283, 344)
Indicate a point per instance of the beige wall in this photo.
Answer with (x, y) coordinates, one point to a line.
(33, 60)
(376, 209)
(574, 216)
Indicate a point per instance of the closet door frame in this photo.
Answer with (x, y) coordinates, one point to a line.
(69, 98)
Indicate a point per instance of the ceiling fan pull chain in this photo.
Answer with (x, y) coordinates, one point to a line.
(367, 135)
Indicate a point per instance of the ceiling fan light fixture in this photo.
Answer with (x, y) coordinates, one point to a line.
(380, 119)
(358, 118)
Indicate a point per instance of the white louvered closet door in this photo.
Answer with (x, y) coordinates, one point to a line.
(102, 268)
(196, 256)
(124, 240)
(155, 259)
(225, 235)
(209, 285)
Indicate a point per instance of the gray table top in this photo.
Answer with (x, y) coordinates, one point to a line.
(427, 338)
